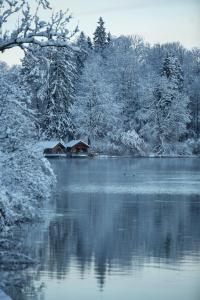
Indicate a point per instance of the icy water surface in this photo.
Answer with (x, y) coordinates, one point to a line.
(117, 229)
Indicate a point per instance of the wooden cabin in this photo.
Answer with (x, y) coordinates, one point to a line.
(53, 148)
(59, 149)
(77, 146)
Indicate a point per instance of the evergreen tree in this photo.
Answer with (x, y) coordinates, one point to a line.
(35, 77)
(173, 71)
(82, 53)
(109, 38)
(100, 36)
(60, 94)
(90, 46)
(50, 76)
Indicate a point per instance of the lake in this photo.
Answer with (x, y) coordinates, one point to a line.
(115, 229)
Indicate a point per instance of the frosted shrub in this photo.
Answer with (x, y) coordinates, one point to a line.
(26, 180)
(194, 146)
(133, 143)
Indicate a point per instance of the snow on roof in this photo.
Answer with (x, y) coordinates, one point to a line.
(51, 144)
(75, 142)
(48, 144)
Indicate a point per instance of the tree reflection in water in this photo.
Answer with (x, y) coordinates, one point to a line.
(115, 233)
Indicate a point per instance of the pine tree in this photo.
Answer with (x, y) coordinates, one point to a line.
(35, 76)
(50, 74)
(173, 71)
(82, 42)
(83, 52)
(100, 36)
(60, 94)
(90, 46)
(109, 38)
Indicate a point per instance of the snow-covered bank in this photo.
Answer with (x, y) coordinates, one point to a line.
(26, 179)
(146, 156)
(130, 144)
(3, 296)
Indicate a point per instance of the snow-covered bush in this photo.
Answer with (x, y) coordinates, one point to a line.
(194, 146)
(175, 149)
(107, 147)
(133, 143)
(25, 180)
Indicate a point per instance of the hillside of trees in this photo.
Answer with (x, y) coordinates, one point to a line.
(118, 93)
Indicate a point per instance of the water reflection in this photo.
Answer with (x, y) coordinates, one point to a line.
(120, 235)
(107, 235)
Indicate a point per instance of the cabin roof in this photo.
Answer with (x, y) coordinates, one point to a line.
(42, 145)
(48, 144)
(74, 143)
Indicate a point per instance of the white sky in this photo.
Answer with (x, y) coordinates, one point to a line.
(156, 20)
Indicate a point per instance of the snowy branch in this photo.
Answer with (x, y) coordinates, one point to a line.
(31, 29)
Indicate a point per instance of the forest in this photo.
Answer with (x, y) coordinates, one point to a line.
(120, 94)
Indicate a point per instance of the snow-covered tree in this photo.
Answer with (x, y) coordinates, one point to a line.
(35, 76)
(133, 143)
(94, 113)
(60, 94)
(165, 110)
(191, 86)
(124, 73)
(25, 176)
(89, 41)
(82, 52)
(100, 36)
(173, 71)
(109, 38)
(30, 28)
(50, 75)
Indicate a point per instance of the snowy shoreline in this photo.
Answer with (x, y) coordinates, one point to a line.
(150, 156)
(100, 156)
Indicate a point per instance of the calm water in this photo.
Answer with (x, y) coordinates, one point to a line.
(117, 229)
